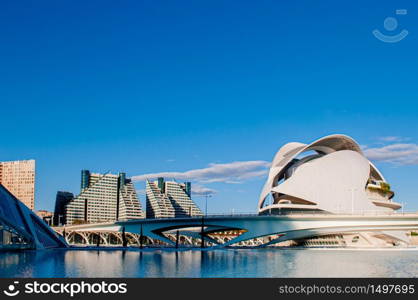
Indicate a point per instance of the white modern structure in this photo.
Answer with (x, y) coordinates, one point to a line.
(330, 175)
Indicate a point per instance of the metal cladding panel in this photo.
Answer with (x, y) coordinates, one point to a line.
(9, 210)
(23, 220)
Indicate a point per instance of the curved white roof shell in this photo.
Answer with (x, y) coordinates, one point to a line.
(334, 178)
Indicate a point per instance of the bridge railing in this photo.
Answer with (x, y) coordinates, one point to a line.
(234, 214)
(315, 213)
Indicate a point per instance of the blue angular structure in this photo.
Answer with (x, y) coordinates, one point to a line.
(20, 228)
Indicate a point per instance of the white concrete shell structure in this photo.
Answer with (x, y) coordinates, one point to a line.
(330, 175)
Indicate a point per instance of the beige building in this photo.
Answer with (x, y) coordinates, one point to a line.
(19, 178)
(45, 215)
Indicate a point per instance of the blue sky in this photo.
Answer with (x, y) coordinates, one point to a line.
(158, 86)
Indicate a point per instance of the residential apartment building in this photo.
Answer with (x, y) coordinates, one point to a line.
(104, 198)
(169, 199)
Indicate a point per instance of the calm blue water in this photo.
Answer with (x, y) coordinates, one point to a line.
(211, 263)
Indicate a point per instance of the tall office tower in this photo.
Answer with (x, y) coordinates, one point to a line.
(19, 178)
(104, 198)
(61, 201)
(169, 199)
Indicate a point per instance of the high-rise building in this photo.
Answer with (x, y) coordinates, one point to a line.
(61, 201)
(169, 199)
(104, 198)
(19, 178)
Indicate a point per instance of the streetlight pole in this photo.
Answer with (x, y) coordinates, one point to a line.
(206, 203)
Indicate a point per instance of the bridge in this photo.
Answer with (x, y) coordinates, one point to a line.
(237, 230)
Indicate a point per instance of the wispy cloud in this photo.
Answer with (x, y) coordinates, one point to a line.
(234, 172)
(401, 154)
(393, 139)
(200, 190)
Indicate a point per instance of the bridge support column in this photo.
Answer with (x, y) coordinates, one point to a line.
(124, 241)
(141, 240)
(202, 234)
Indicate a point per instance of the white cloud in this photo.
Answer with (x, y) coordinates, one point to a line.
(234, 172)
(401, 154)
(200, 190)
(392, 139)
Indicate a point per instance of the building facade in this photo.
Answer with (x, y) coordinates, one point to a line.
(169, 199)
(45, 215)
(61, 201)
(19, 178)
(104, 198)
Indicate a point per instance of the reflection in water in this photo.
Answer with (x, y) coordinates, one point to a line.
(210, 263)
